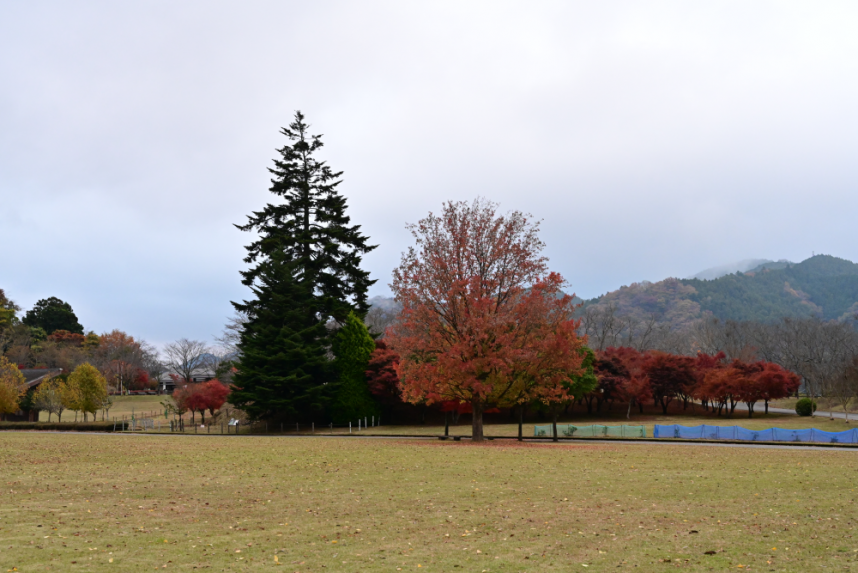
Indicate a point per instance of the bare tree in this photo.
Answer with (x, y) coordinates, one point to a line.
(379, 318)
(845, 386)
(231, 334)
(219, 361)
(185, 357)
(151, 362)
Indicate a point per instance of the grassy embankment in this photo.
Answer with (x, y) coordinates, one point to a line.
(134, 503)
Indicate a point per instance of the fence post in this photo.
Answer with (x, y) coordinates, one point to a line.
(350, 427)
(313, 428)
(332, 427)
(373, 421)
(296, 428)
(364, 422)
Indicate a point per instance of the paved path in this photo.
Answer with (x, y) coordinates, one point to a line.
(760, 408)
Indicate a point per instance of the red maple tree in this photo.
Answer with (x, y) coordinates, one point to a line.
(483, 321)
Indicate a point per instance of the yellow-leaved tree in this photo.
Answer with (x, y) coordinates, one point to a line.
(12, 387)
(88, 387)
(50, 396)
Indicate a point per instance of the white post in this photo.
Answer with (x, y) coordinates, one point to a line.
(350, 427)
(364, 422)
(373, 421)
(358, 424)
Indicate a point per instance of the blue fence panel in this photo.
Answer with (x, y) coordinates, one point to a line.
(710, 432)
(754, 435)
(688, 432)
(782, 435)
(728, 432)
(707, 432)
(823, 437)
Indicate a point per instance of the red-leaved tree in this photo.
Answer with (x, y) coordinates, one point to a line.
(670, 376)
(483, 322)
(215, 393)
(381, 376)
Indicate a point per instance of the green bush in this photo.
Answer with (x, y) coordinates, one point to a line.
(805, 407)
(62, 426)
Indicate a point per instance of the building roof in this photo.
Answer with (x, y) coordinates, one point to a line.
(35, 376)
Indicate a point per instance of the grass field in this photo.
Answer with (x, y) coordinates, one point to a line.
(135, 503)
(123, 406)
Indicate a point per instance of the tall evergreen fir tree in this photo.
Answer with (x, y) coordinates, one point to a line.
(311, 227)
(353, 347)
(304, 273)
(284, 371)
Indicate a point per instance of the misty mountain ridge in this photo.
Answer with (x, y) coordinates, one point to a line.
(730, 268)
(822, 286)
(766, 291)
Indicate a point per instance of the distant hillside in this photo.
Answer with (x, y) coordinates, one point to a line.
(822, 285)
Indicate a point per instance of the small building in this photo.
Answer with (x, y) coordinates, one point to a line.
(167, 383)
(33, 377)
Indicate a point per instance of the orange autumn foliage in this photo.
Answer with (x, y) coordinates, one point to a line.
(483, 322)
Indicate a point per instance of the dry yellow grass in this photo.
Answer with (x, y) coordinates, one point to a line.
(179, 503)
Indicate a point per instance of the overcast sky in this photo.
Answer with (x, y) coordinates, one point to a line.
(653, 139)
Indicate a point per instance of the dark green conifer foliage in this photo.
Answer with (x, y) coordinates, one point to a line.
(53, 314)
(353, 347)
(311, 227)
(284, 371)
(304, 272)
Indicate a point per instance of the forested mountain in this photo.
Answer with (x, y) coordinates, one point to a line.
(821, 286)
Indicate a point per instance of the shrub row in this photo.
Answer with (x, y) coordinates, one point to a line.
(61, 426)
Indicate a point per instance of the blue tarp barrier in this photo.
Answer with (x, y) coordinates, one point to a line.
(707, 432)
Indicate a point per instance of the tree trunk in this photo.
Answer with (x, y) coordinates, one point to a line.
(521, 420)
(629, 411)
(446, 423)
(767, 407)
(554, 423)
(477, 422)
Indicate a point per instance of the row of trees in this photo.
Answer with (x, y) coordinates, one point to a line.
(84, 391)
(633, 377)
(199, 397)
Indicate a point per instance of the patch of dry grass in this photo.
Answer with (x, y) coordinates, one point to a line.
(76, 502)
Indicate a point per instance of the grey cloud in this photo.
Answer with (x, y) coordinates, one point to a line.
(652, 138)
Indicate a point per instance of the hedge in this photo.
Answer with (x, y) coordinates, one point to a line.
(62, 426)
